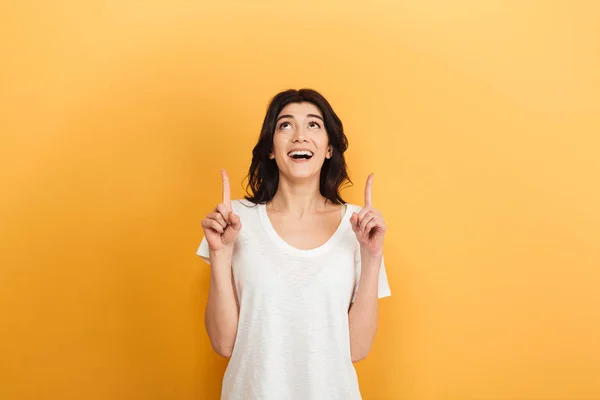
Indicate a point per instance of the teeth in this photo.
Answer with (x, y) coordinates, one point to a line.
(300, 153)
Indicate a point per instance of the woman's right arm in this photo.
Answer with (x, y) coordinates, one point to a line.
(222, 308)
(221, 229)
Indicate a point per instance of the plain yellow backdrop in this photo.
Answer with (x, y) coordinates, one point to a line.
(480, 120)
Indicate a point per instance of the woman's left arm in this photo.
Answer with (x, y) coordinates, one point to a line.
(363, 312)
(369, 227)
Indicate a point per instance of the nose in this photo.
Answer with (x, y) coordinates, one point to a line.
(299, 136)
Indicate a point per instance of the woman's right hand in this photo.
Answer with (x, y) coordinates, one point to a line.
(222, 226)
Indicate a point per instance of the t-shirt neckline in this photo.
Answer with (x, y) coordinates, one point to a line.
(278, 240)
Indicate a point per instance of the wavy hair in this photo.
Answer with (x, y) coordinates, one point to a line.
(263, 175)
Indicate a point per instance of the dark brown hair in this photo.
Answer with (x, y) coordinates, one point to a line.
(263, 176)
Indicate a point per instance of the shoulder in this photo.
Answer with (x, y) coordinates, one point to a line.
(250, 215)
(243, 206)
(242, 202)
(353, 207)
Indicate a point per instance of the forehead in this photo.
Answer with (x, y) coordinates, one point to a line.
(300, 110)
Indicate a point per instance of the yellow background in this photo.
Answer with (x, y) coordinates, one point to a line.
(480, 120)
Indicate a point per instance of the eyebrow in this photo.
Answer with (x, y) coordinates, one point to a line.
(291, 116)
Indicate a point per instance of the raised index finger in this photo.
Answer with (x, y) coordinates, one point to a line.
(368, 191)
(226, 189)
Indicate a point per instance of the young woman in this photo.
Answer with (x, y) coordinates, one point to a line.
(296, 271)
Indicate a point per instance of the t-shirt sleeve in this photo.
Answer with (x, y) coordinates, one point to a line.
(203, 251)
(383, 287)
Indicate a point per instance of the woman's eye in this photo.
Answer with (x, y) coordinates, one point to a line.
(284, 125)
(314, 125)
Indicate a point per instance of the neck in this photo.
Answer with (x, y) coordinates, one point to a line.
(299, 197)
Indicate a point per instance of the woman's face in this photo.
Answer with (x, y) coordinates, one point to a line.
(300, 142)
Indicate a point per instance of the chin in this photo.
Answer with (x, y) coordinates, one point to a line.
(298, 173)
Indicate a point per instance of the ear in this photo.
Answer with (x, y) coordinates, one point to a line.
(271, 155)
(329, 151)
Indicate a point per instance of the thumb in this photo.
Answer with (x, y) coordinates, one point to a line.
(354, 221)
(235, 222)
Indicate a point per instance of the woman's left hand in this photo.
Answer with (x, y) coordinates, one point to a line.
(369, 225)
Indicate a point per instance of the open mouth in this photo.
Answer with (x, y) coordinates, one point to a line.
(301, 154)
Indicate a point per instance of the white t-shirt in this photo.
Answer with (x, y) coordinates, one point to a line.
(293, 337)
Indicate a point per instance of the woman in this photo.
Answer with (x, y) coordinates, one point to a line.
(285, 302)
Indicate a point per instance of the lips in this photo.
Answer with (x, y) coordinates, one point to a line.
(301, 154)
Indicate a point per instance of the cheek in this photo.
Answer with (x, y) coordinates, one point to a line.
(321, 142)
(279, 143)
